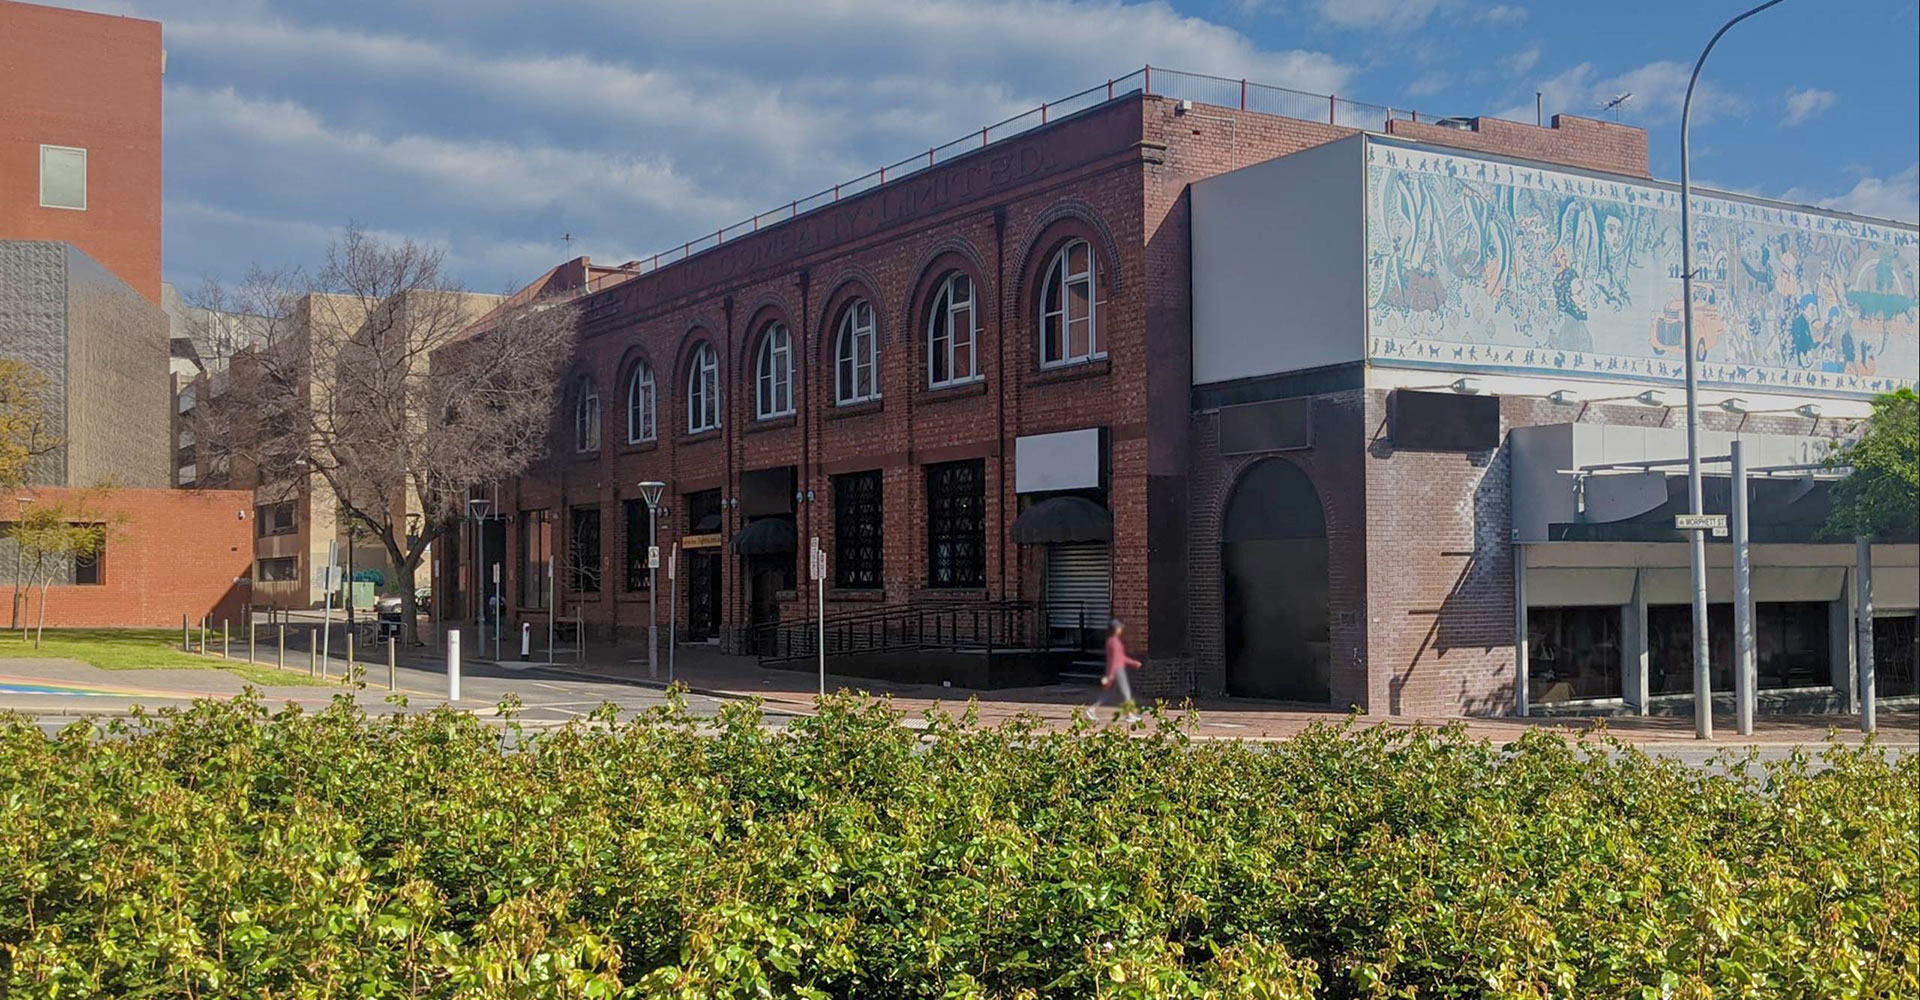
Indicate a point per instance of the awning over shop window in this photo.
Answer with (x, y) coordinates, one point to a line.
(766, 537)
(1063, 519)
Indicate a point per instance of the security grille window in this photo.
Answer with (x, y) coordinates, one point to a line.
(703, 391)
(276, 519)
(856, 356)
(63, 177)
(636, 516)
(857, 540)
(640, 404)
(774, 397)
(951, 334)
(281, 570)
(536, 553)
(583, 552)
(957, 524)
(586, 417)
(1069, 326)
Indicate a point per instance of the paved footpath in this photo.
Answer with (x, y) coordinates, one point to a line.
(58, 691)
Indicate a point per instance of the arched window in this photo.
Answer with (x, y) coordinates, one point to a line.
(774, 383)
(640, 404)
(586, 416)
(1069, 308)
(856, 355)
(951, 334)
(703, 390)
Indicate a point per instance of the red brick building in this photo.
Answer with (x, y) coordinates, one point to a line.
(80, 136)
(910, 476)
(169, 553)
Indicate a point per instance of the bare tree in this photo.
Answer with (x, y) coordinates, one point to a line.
(383, 380)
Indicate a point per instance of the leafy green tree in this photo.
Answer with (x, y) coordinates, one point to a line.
(1878, 498)
(23, 422)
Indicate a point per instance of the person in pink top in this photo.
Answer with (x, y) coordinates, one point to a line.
(1118, 661)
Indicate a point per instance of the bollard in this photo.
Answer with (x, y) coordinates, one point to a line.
(226, 641)
(203, 635)
(526, 640)
(186, 635)
(251, 636)
(316, 646)
(280, 658)
(392, 664)
(453, 664)
(349, 676)
(313, 657)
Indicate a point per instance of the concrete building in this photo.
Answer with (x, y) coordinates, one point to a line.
(1428, 385)
(102, 348)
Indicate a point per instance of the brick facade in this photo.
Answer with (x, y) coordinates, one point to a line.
(171, 553)
(90, 81)
(1117, 176)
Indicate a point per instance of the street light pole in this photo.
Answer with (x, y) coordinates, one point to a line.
(650, 491)
(1697, 540)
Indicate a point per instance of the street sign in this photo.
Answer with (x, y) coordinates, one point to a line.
(653, 557)
(1716, 523)
(818, 563)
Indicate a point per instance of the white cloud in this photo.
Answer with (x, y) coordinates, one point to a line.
(1658, 91)
(1502, 13)
(1896, 197)
(1522, 61)
(1389, 15)
(1804, 105)
(1431, 83)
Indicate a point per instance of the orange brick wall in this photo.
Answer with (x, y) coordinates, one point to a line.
(178, 552)
(69, 78)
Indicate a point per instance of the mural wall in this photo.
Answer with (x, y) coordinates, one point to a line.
(1480, 264)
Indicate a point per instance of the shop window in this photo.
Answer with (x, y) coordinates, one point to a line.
(583, 550)
(1790, 646)
(1573, 653)
(1896, 654)
(536, 557)
(957, 524)
(857, 532)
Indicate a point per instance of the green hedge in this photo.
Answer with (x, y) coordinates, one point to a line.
(223, 852)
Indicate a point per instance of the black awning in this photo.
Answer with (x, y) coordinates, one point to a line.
(769, 536)
(1063, 519)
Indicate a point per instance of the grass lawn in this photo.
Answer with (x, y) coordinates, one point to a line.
(142, 649)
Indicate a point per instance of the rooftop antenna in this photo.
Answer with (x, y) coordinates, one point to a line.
(1619, 100)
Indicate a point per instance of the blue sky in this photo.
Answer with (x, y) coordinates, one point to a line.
(493, 128)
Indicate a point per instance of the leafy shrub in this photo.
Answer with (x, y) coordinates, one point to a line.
(225, 852)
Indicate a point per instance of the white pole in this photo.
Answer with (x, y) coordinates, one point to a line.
(673, 607)
(1743, 667)
(326, 619)
(1863, 629)
(653, 578)
(499, 609)
(819, 561)
(553, 608)
(453, 664)
(1522, 697)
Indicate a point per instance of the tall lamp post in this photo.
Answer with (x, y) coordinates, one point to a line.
(651, 491)
(1697, 540)
(477, 508)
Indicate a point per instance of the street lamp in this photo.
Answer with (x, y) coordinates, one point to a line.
(651, 491)
(477, 508)
(1697, 540)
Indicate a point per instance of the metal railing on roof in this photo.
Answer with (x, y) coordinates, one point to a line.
(1197, 87)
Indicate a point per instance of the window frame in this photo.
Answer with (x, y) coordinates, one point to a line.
(1057, 284)
(859, 531)
(641, 380)
(45, 148)
(940, 330)
(586, 417)
(849, 360)
(265, 519)
(773, 373)
(963, 532)
(703, 389)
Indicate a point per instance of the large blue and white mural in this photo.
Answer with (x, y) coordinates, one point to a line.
(1475, 263)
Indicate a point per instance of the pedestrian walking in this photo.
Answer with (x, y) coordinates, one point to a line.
(1115, 679)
